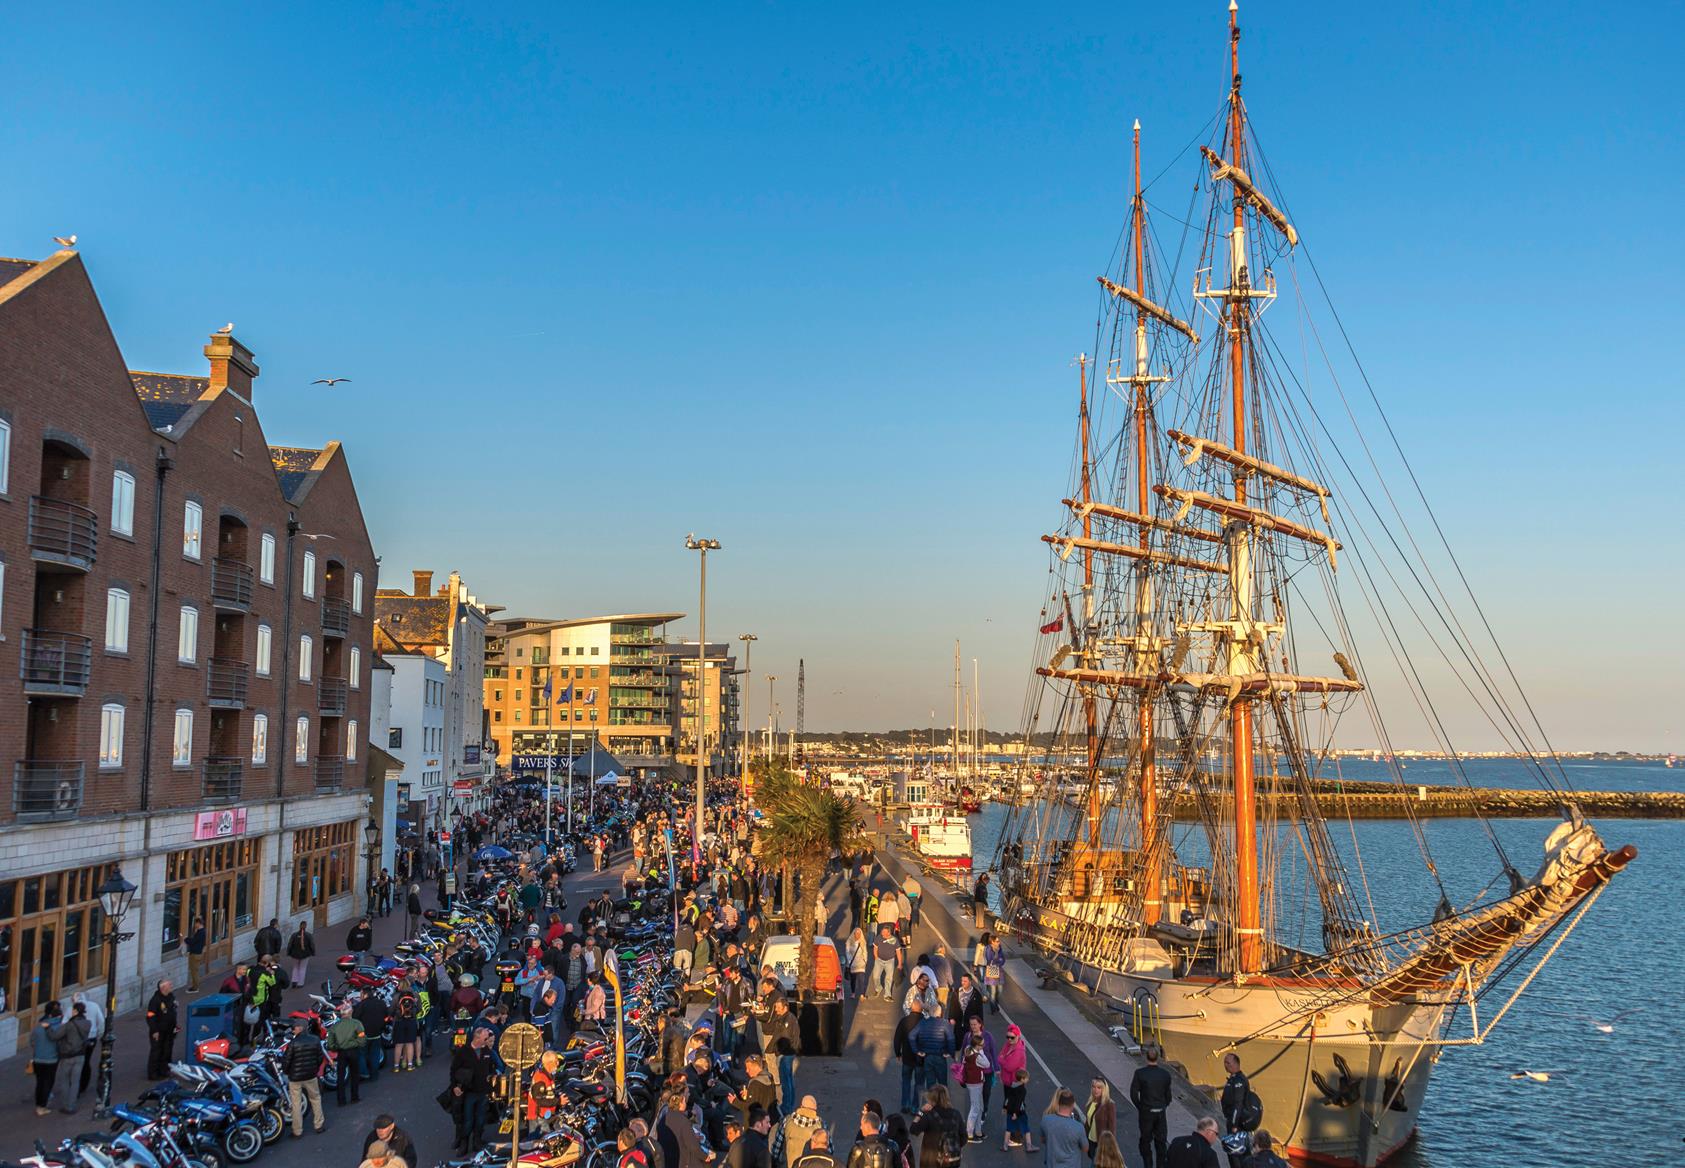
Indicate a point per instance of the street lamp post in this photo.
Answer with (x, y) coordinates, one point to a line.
(115, 896)
(748, 640)
(770, 678)
(704, 546)
(371, 845)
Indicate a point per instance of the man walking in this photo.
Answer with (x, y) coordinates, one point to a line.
(161, 1027)
(71, 1037)
(886, 963)
(301, 947)
(1064, 1142)
(301, 1063)
(1149, 1091)
(195, 943)
(912, 1061)
(267, 943)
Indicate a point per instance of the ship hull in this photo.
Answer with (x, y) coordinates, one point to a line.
(1372, 1061)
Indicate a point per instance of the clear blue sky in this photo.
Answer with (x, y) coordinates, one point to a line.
(807, 279)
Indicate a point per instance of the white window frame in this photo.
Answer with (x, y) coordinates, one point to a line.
(111, 716)
(265, 648)
(116, 620)
(122, 502)
(357, 593)
(187, 637)
(351, 740)
(301, 739)
(260, 739)
(307, 582)
(266, 558)
(181, 748)
(193, 531)
(306, 649)
(5, 455)
(354, 668)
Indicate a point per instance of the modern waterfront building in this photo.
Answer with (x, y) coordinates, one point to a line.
(558, 686)
(715, 702)
(186, 619)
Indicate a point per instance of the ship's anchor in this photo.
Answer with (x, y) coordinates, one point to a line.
(1347, 1092)
(1350, 1088)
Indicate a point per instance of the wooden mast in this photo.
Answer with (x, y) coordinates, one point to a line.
(1246, 909)
(1151, 876)
(1089, 711)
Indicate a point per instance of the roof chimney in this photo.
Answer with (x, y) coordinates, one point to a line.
(424, 583)
(232, 366)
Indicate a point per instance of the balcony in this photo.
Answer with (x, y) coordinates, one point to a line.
(330, 773)
(336, 617)
(639, 680)
(46, 790)
(55, 665)
(231, 585)
(62, 533)
(225, 684)
(223, 777)
(645, 657)
(330, 696)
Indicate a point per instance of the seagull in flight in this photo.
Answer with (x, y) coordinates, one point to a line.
(226, 329)
(329, 380)
(65, 240)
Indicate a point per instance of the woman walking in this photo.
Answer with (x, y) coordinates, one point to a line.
(857, 953)
(990, 958)
(974, 1068)
(44, 1055)
(1100, 1117)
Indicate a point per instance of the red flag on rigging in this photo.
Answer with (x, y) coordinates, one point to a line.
(1055, 624)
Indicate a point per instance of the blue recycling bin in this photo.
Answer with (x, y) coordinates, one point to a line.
(210, 1017)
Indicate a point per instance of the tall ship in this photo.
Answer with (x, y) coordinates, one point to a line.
(1240, 517)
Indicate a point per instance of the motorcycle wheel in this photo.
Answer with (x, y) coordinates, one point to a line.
(242, 1142)
(330, 1077)
(271, 1124)
(194, 1162)
(206, 1153)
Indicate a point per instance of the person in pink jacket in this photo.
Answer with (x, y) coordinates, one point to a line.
(1013, 1056)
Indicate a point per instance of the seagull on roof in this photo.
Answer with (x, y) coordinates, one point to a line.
(226, 329)
(65, 240)
(329, 380)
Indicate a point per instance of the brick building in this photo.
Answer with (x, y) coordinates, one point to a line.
(185, 647)
(448, 625)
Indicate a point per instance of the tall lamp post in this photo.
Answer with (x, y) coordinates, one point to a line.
(704, 546)
(770, 678)
(371, 845)
(748, 640)
(115, 896)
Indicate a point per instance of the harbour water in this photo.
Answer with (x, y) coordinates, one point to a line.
(1613, 1096)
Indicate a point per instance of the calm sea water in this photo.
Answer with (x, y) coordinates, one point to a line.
(1613, 1098)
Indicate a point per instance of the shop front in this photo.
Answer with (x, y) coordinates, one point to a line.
(324, 866)
(52, 941)
(215, 884)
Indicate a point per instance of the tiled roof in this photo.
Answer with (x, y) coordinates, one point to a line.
(167, 396)
(12, 269)
(414, 621)
(292, 466)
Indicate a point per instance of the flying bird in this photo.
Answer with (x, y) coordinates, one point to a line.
(313, 535)
(329, 380)
(226, 329)
(65, 240)
(1535, 1076)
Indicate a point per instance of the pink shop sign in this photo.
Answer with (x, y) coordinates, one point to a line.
(224, 824)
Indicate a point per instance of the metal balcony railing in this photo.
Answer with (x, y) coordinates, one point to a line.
(225, 683)
(330, 773)
(336, 617)
(330, 696)
(231, 585)
(54, 664)
(62, 533)
(223, 779)
(46, 790)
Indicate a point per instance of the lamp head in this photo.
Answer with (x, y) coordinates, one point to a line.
(115, 895)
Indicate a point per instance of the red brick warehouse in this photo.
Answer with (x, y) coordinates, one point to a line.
(185, 651)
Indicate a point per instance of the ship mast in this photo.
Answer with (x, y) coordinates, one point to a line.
(1241, 660)
(1089, 712)
(1151, 877)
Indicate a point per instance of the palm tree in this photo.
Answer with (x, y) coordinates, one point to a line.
(804, 826)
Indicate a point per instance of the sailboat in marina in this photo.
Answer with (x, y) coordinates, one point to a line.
(1196, 640)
